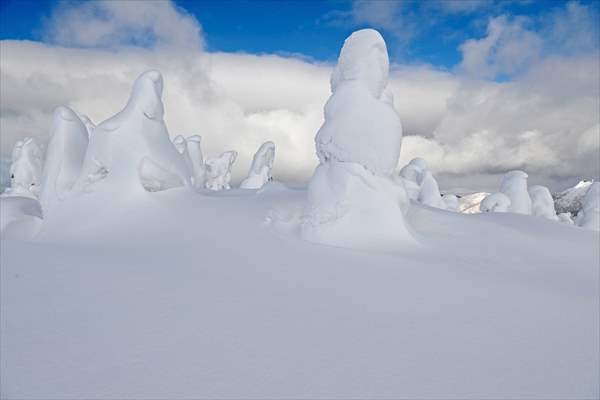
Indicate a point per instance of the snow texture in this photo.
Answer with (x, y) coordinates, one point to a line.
(20, 217)
(514, 185)
(195, 159)
(411, 175)
(218, 171)
(262, 165)
(542, 204)
(64, 157)
(137, 134)
(495, 202)
(589, 216)
(566, 218)
(89, 125)
(361, 125)
(26, 169)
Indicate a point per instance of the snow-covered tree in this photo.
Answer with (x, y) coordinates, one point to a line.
(542, 204)
(495, 202)
(514, 185)
(218, 171)
(411, 176)
(195, 160)
(25, 169)
(451, 202)
(260, 170)
(352, 199)
(89, 125)
(589, 216)
(125, 149)
(64, 157)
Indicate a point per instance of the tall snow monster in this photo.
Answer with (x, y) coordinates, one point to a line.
(352, 199)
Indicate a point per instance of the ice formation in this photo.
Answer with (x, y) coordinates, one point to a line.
(260, 170)
(195, 160)
(429, 193)
(495, 202)
(179, 143)
(589, 216)
(218, 171)
(26, 169)
(361, 124)
(542, 204)
(64, 157)
(352, 199)
(451, 202)
(514, 185)
(135, 141)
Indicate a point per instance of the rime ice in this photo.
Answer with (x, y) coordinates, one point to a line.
(260, 170)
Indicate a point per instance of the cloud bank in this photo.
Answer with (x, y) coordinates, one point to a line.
(470, 128)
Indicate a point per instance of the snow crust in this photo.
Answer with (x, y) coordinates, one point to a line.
(135, 141)
(542, 203)
(25, 169)
(218, 171)
(589, 216)
(64, 157)
(262, 165)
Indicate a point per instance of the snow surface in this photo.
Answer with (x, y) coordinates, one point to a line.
(215, 295)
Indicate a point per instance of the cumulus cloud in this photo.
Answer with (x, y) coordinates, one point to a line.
(544, 120)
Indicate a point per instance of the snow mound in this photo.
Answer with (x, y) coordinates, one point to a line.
(89, 125)
(495, 202)
(514, 186)
(411, 176)
(361, 125)
(64, 157)
(429, 193)
(218, 171)
(260, 170)
(195, 160)
(451, 202)
(542, 204)
(135, 135)
(26, 169)
(565, 218)
(589, 216)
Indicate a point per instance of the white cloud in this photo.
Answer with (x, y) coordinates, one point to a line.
(545, 120)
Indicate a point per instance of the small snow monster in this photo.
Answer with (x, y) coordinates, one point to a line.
(514, 185)
(451, 202)
(26, 169)
(64, 157)
(218, 171)
(260, 170)
(542, 204)
(495, 202)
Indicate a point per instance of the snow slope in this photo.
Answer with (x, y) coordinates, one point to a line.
(214, 295)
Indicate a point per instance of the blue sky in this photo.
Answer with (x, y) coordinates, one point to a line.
(416, 32)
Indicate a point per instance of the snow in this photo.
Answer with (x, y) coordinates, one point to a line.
(451, 202)
(495, 202)
(64, 157)
(469, 203)
(589, 216)
(119, 145)
(196, 295)
(260, 170)
(26, 169)
(357, 115)
(20, 217)
(87, 122)
(514, 186)
(569, 200)
(195, 159)
(542, 204)
(218, 171)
